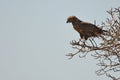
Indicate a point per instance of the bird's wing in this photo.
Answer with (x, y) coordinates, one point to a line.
(86, 24)
(88, 28)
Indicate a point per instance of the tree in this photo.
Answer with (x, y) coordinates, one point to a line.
(107, 51)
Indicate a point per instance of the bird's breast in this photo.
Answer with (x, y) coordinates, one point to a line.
(78, 29)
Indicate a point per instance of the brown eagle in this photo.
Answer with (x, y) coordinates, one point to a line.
(85, 29)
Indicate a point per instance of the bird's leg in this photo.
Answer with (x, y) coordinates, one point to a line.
(83, 42)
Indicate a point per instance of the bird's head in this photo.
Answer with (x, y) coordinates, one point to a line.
(71, 19)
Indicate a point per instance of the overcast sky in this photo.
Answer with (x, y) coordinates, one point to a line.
(34, 38)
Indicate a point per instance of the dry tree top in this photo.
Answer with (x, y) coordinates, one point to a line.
(106, 48)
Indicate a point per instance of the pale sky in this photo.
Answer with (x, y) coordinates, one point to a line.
(34, 38)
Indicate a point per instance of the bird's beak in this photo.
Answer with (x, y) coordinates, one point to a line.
(67, 21)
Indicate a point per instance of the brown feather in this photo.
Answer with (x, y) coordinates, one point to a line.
(85, 29)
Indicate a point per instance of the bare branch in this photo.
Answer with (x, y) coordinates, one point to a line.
(107, 50)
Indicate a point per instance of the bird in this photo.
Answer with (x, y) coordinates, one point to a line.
(85, 29)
